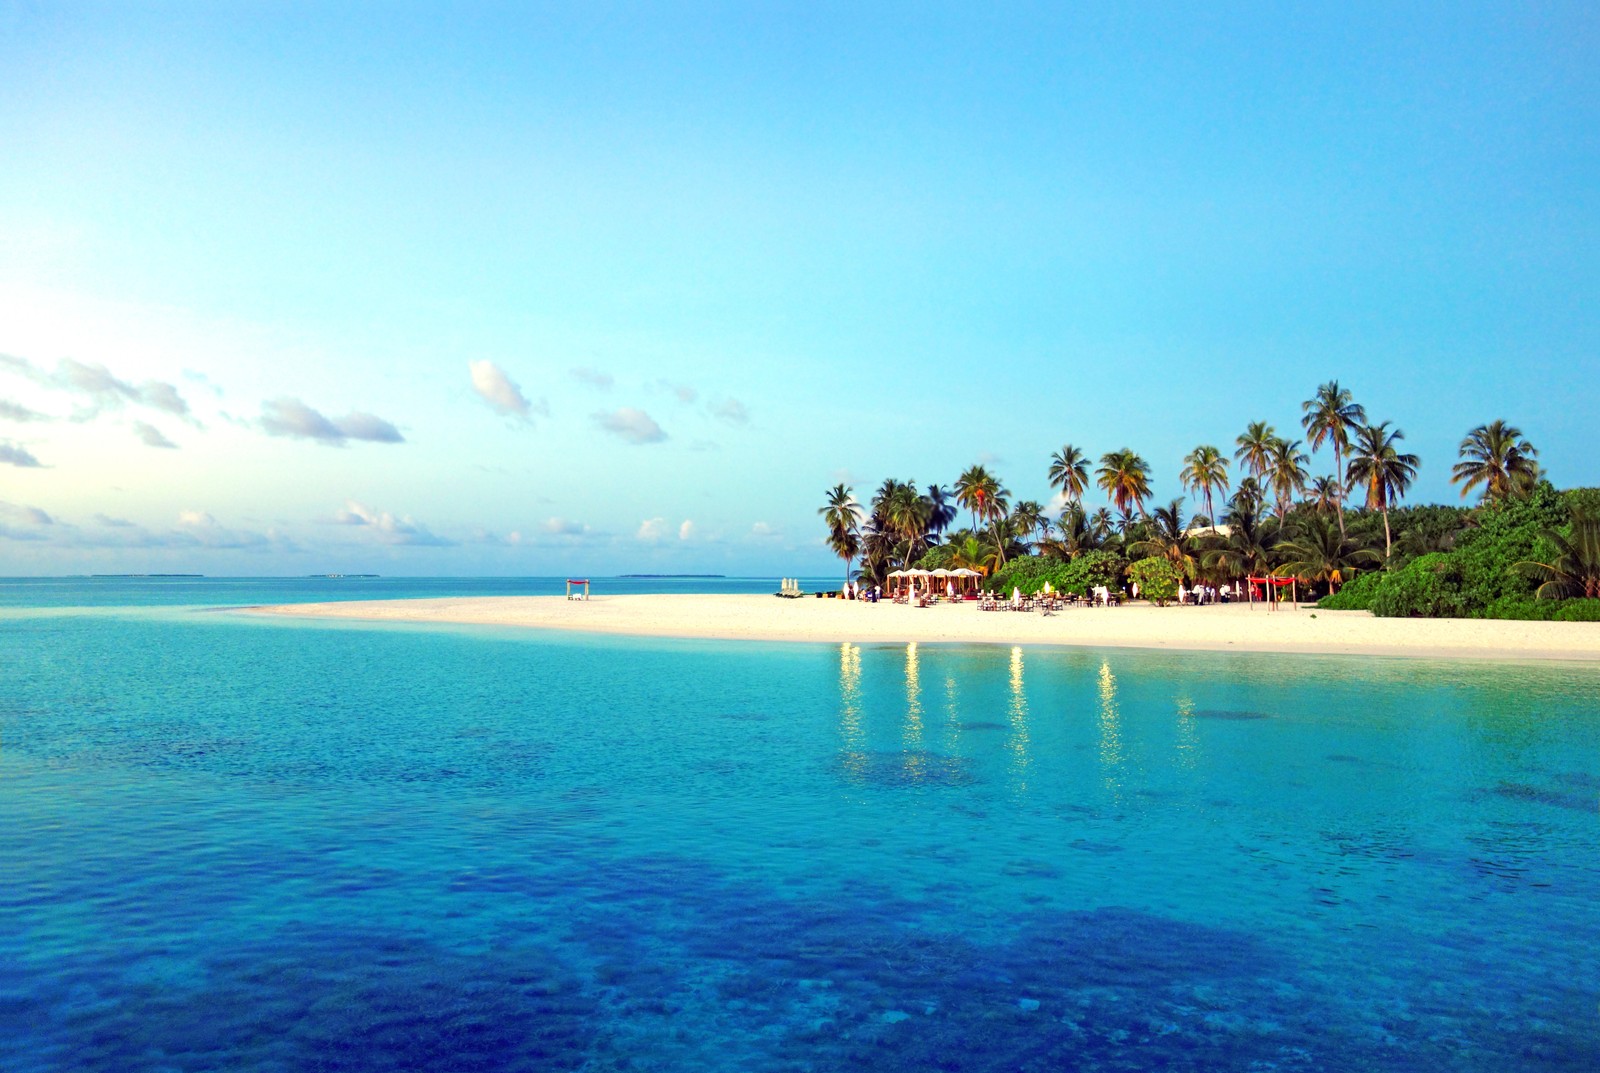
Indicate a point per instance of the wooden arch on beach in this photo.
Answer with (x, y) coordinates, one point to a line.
(583, 594)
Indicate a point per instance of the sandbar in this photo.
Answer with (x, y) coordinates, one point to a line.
(1226, 627)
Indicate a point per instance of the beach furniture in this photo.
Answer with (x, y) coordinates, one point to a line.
(581, 593)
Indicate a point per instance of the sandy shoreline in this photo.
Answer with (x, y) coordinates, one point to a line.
(1236, 628)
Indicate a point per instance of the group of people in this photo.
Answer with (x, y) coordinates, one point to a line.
(853, 591)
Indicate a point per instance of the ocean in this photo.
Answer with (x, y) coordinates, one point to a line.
(242, 843)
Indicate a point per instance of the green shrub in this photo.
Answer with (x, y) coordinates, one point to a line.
(1522, 609)
(1157, 579)
(1355, 594)
(1579, 610)
(1029, 573)
(1426, 587)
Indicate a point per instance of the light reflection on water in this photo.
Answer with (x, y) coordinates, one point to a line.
(854, 740)
(1111, 751)
(1017, 715)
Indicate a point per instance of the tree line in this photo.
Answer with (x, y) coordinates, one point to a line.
(1278, 518)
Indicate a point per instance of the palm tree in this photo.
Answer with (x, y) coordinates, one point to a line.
(1575, 570)
(1326, 495)
(1248, 496)
(1069, 471)
(1101, 524)
(1496, 456)
(1205, 471)
(842, 515)
(907, 513)
(1318, 552)
(1384, 470)
(1287, 473)
(943, 512)
(1330, 417)
(1169, 538)
(1125, 477)
(975, 489)
(1078, 534)
(974, 554)
(1255, 448)
(1027, 518)
(1247, 549)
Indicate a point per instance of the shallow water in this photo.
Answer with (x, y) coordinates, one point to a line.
(234, 843)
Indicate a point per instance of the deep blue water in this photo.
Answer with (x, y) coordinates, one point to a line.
(232, 843)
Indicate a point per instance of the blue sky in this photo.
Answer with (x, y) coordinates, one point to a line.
(417, 289)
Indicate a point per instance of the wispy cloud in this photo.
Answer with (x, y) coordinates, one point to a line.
(594, 378)
(389, 528)
(10, 411)
(291, 417)
(563, 527)
(195, 529)
(730, 410)
(206, 531)
(151, 436)
(632, 425)
(14, 454)
(763, 531)
(501, 392)
(99, 388)
(24, 514)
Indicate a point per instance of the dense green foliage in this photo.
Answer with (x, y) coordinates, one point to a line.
(1157, 579)
(1355, 594)
(1080, 576)
(1029, 573)
(1473, 571)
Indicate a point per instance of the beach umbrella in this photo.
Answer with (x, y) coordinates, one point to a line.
(1047, 588)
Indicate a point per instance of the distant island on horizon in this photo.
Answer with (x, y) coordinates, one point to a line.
(669, 576)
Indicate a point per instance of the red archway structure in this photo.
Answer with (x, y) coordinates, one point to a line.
(571, 581)
(1269, 589)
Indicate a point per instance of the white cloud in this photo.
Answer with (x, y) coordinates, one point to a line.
(563, 527)
(732, 411)
(682, 392)
(291, 417)
(635, 426)
(594, 378)
(686, 531)
(763, 531)
(501, 392)
(651, 530)
(151, 436)
(389, 528)
(14, 454)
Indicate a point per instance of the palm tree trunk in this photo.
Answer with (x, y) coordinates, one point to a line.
(1386, 543)
(1338, 476)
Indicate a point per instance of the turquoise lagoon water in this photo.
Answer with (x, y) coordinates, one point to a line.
(235, 843)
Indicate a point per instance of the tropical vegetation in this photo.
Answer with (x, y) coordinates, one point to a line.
(1524, 550)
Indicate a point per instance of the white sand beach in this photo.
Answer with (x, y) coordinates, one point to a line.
(1237, 627)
